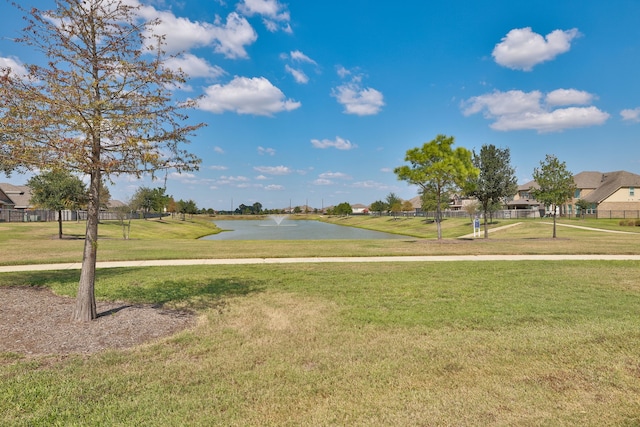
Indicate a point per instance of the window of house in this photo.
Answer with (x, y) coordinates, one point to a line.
(632, 191)
(577, 194)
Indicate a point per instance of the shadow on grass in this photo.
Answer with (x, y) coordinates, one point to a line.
(142, 286)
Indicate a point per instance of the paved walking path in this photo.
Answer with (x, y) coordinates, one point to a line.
(239, 261)
(592, 229)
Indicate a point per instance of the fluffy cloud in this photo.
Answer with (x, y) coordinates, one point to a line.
(269, 151)
(274, 14)
(14, 64)
(181, 34)
(274, 170)
(339, 143)
(296, 71)
(298, 75)
(298, 56)
(568, 97)
(245, 95)
(274, 187)
(358, 100)
(517, 110)
(522, 49)
(194, 66)
(631, 115)
(333, 175)
(322, 181)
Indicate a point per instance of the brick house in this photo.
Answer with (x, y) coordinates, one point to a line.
(610, 195)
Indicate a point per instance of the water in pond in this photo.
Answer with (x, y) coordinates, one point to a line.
(292, 230)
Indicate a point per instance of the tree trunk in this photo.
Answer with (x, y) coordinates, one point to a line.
(60, 224)
(554, 223)
(486, 228)
(438, 217)
(85, 309)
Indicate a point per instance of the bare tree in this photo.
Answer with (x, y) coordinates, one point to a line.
(101, 106)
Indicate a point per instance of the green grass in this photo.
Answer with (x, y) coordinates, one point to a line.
(498, 343)
(464, 343)
(37, 243)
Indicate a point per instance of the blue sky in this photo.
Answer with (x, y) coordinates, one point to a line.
(318, 101)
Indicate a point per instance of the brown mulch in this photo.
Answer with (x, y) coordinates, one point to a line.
(35, 321)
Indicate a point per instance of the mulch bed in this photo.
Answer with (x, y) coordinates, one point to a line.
(34, 321)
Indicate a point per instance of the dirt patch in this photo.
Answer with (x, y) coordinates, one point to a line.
(35, 321)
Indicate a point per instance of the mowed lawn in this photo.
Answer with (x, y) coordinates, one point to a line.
(463, 343)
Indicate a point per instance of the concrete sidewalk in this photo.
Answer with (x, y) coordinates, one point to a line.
(315, 260)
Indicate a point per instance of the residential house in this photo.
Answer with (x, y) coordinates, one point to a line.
(616, 195)
(359, 209)
(524, 200)
(15, 197)
(610, 195)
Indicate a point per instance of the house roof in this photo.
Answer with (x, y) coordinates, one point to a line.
(20, 195)
(113, 203)
(612, 182)
(588, 179)
(528, 186)
(5, 200)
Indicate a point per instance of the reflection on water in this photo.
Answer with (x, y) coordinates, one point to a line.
(292, 230)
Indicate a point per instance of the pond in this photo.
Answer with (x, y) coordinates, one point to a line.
(269, 229)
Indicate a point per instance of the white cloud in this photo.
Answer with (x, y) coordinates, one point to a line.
(568, 97)
(218, 168)
(274, 187)
(343, 72)
(194, 66)
(274, 170)
(517, 110)
(298, 56)
(238, 181)
(274, 14)
(339, 143)
(298, 75)
(322, 181)
(14, 64)
(181, 34)
(246, 96)
(218, 150)
(269, 151)
(334, 175)
(522, 49)
(631, 115)
(369, 184)
(358, 100)
(231, 38)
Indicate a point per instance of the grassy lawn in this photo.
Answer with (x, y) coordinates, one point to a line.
(175, 239)
(488, 343)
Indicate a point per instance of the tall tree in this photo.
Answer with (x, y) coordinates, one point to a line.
(343, 208)
(101, 106)
(149, 200)
(379, 206)
(555, 185)
(394, 203)
(495, 181)
(57, 190)
(437, 169)
(189, 207)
